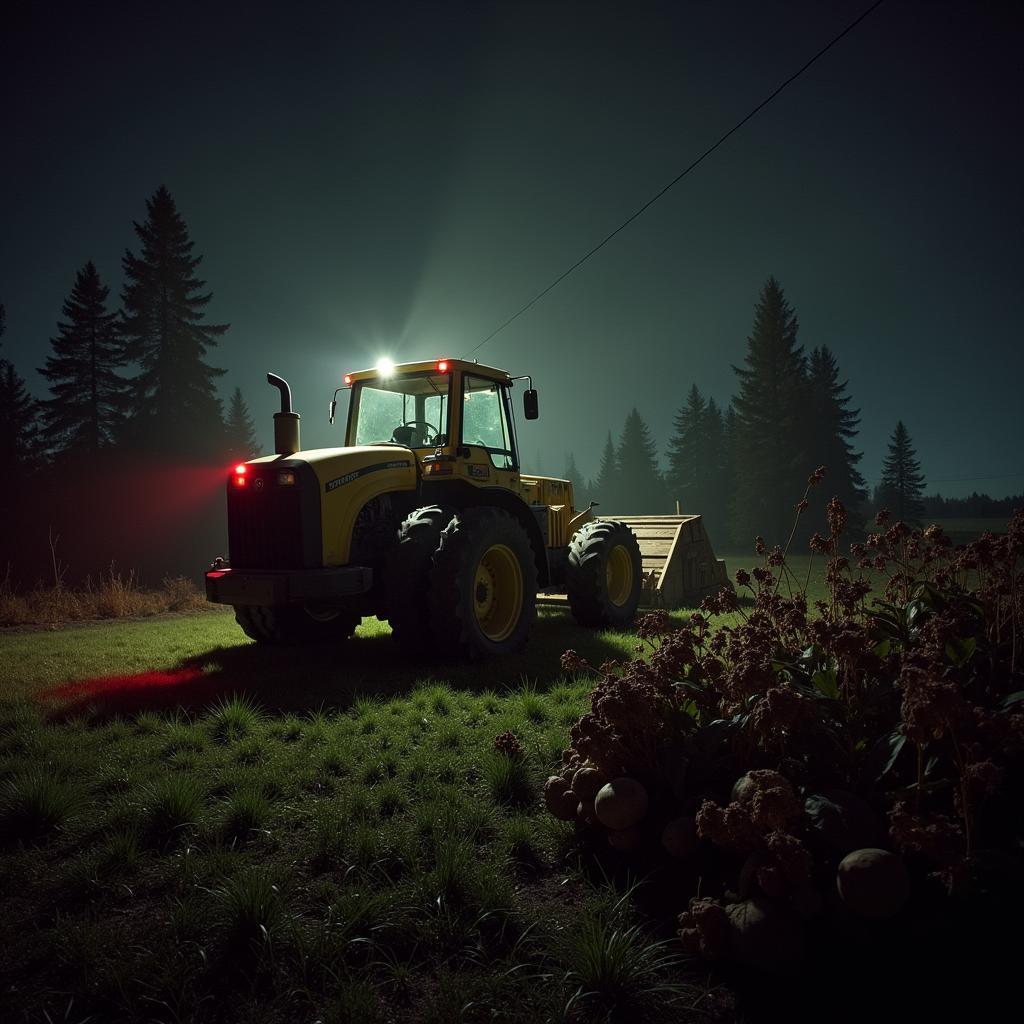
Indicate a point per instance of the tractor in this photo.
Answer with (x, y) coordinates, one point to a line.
(424, 518)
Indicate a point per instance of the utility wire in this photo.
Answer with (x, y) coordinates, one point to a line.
(679, 177)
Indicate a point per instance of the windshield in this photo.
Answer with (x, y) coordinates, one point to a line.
(409, 410)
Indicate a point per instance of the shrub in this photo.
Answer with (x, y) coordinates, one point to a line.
(843, 717)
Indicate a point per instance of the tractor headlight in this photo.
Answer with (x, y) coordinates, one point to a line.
(286, 478)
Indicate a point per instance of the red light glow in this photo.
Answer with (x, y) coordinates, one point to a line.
(348, 380)
(442, 366)
(241, 469)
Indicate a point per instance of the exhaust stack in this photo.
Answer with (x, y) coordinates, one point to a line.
(286, 422)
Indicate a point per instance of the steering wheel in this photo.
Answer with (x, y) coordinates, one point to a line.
(423, 423)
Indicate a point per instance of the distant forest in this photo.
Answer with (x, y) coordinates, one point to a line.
(104, 470)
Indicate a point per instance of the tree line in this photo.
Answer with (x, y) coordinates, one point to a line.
(745, 467)
(134, 377)
(115, 461)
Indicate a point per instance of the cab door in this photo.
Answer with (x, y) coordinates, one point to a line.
(487, 435)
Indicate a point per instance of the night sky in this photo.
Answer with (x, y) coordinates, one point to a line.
(399, 178)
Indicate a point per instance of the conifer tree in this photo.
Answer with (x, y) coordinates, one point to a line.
(771, 460)
(88, 396)
(240, 429)
(714, 503)
(830, 428)
(687, 450)
(605, 488)
(642, 489)
(902, 486)
(572, 474)
(174, 402)
(19, 443)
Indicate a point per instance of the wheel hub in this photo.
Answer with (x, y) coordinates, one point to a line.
(498, 592)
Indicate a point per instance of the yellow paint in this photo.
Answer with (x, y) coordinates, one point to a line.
(340, 506)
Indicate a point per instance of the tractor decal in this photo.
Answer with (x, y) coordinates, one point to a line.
(340, 481)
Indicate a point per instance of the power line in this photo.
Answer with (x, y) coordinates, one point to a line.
(679, 177)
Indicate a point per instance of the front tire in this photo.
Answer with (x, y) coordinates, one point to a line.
(295, 624)
(604, 575)
(484, 593)
(407, 577)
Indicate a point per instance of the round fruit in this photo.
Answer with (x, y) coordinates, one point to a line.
(873, 883)
(559, 799)
(621, 803)
(586, 782)
(765, 936)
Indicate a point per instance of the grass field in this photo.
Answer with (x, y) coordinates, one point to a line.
(199, 828)
(196, 828)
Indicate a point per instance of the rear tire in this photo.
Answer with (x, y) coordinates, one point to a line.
(295, 624)
(604, 576)
(484, 592)
(407, 577)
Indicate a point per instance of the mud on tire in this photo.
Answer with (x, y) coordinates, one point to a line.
(408, 577)
(295, 624)
(604, 575)
(484, 591)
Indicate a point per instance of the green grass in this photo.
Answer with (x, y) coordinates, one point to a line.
(198, 828)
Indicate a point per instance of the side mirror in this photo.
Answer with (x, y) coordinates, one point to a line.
(530, 410)
(334, 407)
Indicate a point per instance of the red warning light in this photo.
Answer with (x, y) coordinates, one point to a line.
(241, 469)
(348, 380)
(442, 366)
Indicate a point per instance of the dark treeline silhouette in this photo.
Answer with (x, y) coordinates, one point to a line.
(975, 506)
(745, 468)
(123, 462)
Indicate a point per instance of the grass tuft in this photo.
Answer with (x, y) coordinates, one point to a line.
(171, 805)
(249, 908)
(35, 804)
(245, 812)
(234, 718)
(508, 780)
(619, 973)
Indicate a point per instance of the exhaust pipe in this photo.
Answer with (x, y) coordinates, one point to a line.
(286, 422)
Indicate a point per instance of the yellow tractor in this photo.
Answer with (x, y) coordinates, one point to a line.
(424, 518)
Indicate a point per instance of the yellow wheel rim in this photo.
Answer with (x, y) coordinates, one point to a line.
(498, 592)
(618, 573)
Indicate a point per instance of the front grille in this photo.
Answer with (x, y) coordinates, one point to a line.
(274, 527)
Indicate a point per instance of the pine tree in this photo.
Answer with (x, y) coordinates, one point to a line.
(687, 450)
(830, 428)
(714, 503)
(240, 429)
(771, 460)
(605, 490)
(642, 489)
(572, 474)
(902, 486)
(174, 402)
(19, 437)
(88, 395)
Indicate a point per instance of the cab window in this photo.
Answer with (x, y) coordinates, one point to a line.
(485, 420)
(411, 410)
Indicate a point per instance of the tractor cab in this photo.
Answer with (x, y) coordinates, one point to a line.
(456, 416)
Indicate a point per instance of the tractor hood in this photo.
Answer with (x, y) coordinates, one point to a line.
(347, 479)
